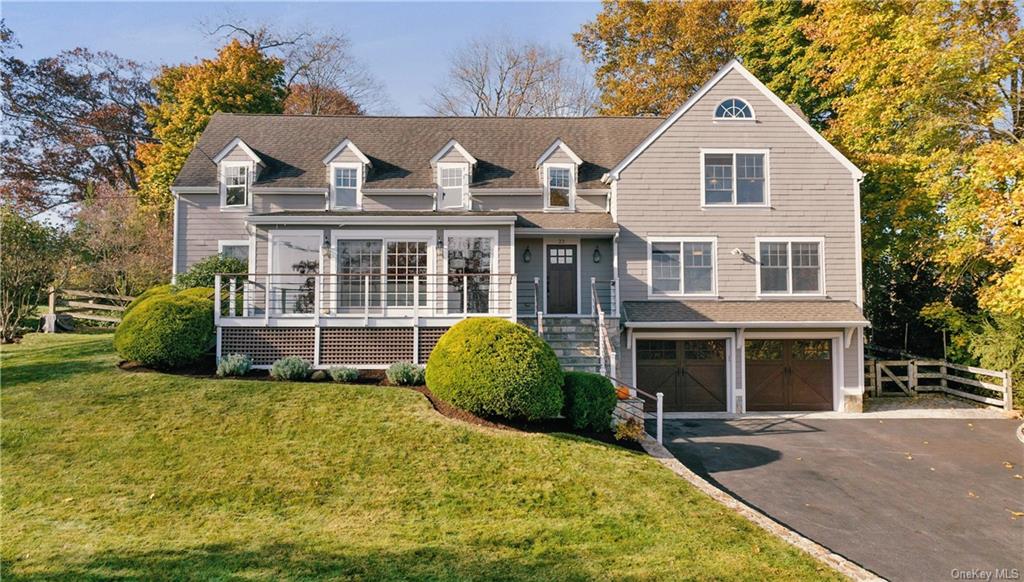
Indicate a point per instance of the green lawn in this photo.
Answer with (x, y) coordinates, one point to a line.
(109, 474)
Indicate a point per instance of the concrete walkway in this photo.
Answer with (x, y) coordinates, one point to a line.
(909, 499)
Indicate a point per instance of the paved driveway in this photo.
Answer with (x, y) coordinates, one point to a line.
(907, 499)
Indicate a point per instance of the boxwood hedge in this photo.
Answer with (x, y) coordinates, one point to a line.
(589, 400)
(493, 367)
(167, 330)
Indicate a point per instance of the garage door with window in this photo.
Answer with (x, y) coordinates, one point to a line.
(789, 374)
(691, 373)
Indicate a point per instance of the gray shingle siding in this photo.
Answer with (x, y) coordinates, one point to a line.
(812, 194)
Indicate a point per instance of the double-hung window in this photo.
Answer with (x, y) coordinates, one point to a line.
(735, 178)
(682, 267)
(558, 188)
(452, 178)
(235, 185)
(345, 186)
(790, 267)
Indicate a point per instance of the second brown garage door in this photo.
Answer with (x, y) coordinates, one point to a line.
(691, 373)
(793, 374)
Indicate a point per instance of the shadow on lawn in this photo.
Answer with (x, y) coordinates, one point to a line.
(55, 362)
(293, 562)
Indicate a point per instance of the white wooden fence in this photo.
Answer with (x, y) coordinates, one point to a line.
(910, 377)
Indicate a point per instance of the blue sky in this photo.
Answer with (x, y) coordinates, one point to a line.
(405, 44)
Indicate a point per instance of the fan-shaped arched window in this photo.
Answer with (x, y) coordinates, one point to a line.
(733, 109)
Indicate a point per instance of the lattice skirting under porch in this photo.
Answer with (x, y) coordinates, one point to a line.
(376, 347)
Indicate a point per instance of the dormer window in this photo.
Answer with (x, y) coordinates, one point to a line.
(453, 179)
(558, 191)
(734, 108)
(345, 182)
(235, 184)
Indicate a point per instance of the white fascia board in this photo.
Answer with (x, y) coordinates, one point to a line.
(558, 145)
(744, 324)
(282, 190)
(581, 232)
(382, 220)
(734, 64)
(448, 146)
(237, 142)
(398, 192)
(178, 190)
(347, 143)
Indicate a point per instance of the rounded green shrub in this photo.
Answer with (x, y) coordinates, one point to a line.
(405, 374)
(202, 273)
(589, 401)
(493, 367)
(291, 368)
(234, 365)
(151, 292)
(344, 374)
(166, 331)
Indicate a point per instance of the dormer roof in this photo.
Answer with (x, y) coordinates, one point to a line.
(236, 143)
(452, 144)
(558, 145)
(347, 144)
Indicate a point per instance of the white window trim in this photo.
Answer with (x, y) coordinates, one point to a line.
(495, 258)
(465, 183)
(572, 188)
(753, 114)
(223, 186)
(651, 241)
(272, 280)
(767, 177)
(359, 184)
(232, 243)
(789, 266)
(427, 236)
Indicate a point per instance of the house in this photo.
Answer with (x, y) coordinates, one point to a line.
(713, 255)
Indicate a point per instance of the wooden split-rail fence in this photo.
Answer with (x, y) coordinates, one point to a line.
(911, 377)
(103, 308)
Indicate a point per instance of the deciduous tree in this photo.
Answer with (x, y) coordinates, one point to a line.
(504, 78)
(241, 79)
(651, 56)
(32, 252)
(70, 123)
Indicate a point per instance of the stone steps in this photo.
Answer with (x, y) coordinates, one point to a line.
(573, 340)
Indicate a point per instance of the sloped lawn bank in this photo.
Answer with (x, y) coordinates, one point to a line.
(109, 474)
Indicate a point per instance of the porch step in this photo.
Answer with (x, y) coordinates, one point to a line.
(573, 340)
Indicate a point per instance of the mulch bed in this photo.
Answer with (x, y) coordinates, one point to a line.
(207, 367)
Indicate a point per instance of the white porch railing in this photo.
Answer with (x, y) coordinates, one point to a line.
(283, 297)
(605, 350)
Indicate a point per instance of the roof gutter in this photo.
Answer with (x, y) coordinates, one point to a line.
(440, 220)
(744, 324)
(567, 231)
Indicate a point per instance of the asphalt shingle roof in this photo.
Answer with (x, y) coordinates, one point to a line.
(741, 311)
(400, 148)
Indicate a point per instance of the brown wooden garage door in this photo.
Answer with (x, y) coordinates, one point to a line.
(691, 373)
(789, 374)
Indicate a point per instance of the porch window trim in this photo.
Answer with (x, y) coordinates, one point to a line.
(547, 187)
(464, 166)
(495, 258)
(223, 186)
(427, 236)
(767, 203)
(821, 292)
(334, 167)
(679, 240)
(271, 273)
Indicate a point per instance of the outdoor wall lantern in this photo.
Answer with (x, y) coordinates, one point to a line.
(527, 255)
(597, 255)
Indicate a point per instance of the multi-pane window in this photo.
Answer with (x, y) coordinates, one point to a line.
(733, 109)
(358, 271)
(790, 267)
(453, 182)
(734, 179)
(698, 267)
(404, 262)
(346, 184)
(665, 269)
(236, 185)
(559, 187)
(686, 267)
